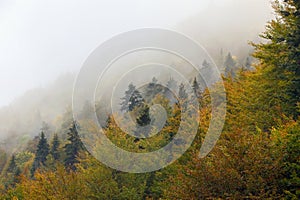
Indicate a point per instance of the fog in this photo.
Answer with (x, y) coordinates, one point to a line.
(44, 40)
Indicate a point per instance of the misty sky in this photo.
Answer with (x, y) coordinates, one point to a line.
(40, 39)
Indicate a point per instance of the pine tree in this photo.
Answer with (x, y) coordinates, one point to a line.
(143, 117)
(41, 153)
(172, 84)
(12, 166)
(12, 173)
(183, 95)
(283, 36)
(135, 100)
(182, 92)
(229, 65)
(196, 88)
(205, 64)
(55, 147)
(73, 147)
(248, 64)
(126, 99)
(152, 89)
(170, 91)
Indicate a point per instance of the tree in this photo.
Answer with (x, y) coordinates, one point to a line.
(126, 99)
(281, 54)
(73, 147)
(41, 153)
(229, 65)
(196, 88)
(12, 173)
(143, 117)
(248, 64)
(205, 64)
(152, 90)
(54, 147)
(12, 166)
(170, 90)
(182, 92)
(172, 84)
(135, 100)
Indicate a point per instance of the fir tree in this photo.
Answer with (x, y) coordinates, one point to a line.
(196, 88)
(183, 95)
(41, 153)
(172, 84)
(143, 117)
(126, 99)
(283, 36)
(55, 147)
(135, 100)
(248, 64)
(73, 147)
(153, 89)
(12, 173)
(12, 166)
(182, 92)
(229, 65)
(205, 64)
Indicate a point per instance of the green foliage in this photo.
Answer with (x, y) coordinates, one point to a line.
(55, 147)
(73, 147)
(281, 54)
(256, 157)
(41, 153)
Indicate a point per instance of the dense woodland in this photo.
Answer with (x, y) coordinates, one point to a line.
(256, 157)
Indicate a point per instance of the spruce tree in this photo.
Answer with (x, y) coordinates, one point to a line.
(283, 36)
(205, 64)
(143, 117)
(196, 88)
(152, 89)
(230, 66)
(172, 85)
(12, 166)
(41, 153)
(135, 100)
(55, 147)
(73, 147)
(248, 64)
(126, 99)
(12, 173)
(182, 92)
(183, 95)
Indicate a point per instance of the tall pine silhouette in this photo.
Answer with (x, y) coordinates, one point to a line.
(41, 153)
(73, 147)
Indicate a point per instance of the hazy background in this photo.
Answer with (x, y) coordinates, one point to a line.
(41, 39)
(44, 43)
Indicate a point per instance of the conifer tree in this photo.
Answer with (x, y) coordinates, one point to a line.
(172, 84)
(126, 99)
(73, 147)
(143, 117)
(135, 100)
(182, 92)
(55, 147)
(196, 88)
(248, 64)
(12, 166)
(41, 153)
(205, 64)
(12, 172)
(283, 36)
(229, 66)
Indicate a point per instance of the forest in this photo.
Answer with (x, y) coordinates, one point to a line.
(256, 157)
